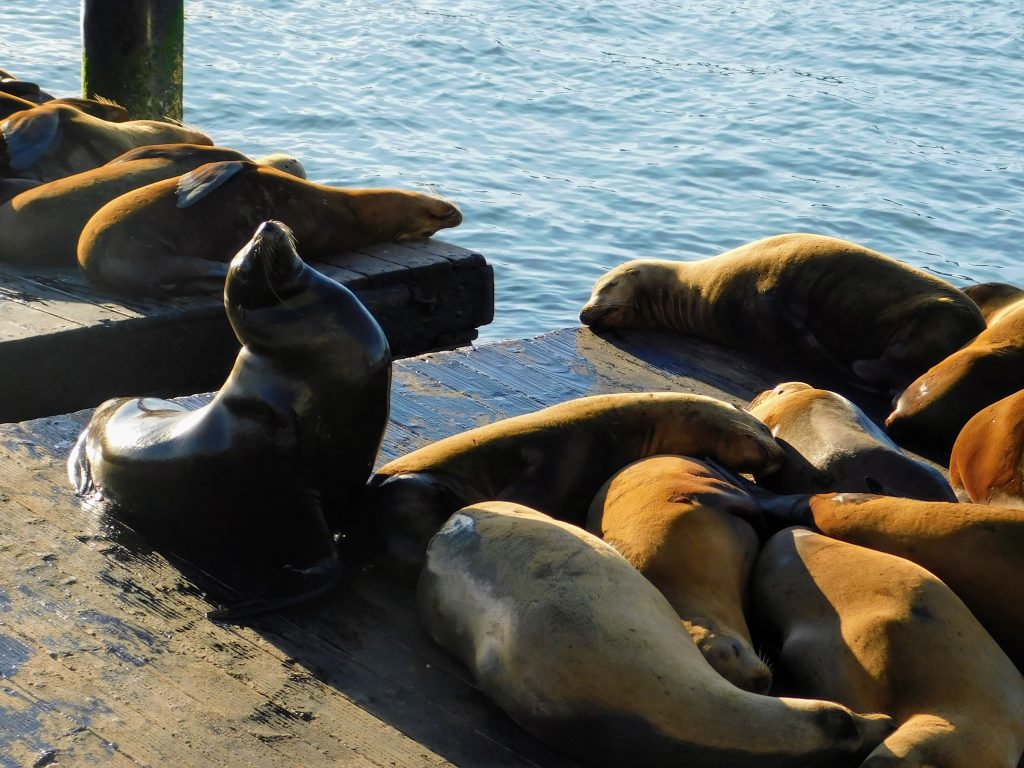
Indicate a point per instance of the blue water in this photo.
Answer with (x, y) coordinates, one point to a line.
(578, 135)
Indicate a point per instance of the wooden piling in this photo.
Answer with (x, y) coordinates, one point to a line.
(132, 53)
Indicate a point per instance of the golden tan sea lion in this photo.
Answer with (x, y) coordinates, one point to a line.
(806, 297)
(291, 435)
(832, 445)
(170, 237)
(992, 297)
(874, 631)
(987, 463)
(555, 460)
(978, 550)
(688, 531)
(43, 227)
(101, 108)
(55, 140)
(582, 651)
(938, 404)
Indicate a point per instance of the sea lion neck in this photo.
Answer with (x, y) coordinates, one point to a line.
(671, 297)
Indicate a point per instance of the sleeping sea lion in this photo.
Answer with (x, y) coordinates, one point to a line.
(806, 297)
(43, 227)
(101, 108)
(170, 237)
(938, 404)
(987, 463)
(554, 460)
(832, 445)
(52, 141)
(874, 631)
(582, 651)
(688, 531)
(24, 89)
(992, 297)
(292, 433)
(978, 550)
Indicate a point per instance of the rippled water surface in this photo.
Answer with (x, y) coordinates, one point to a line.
(578, 135)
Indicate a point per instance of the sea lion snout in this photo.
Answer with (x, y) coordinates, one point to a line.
(262, 267)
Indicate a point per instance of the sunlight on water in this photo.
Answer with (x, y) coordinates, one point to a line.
(578, 135)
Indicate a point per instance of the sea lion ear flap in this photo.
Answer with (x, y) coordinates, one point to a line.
(26, 136)
(197, 184)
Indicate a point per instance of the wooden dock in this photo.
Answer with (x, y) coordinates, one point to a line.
(107, 658)
(65, 345)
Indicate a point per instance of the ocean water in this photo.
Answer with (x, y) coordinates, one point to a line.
(578, 135)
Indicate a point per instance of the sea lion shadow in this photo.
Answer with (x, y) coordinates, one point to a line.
(721, 371)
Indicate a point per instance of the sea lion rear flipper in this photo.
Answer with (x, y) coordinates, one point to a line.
(290, 586)
(197, 184)
(26, 137)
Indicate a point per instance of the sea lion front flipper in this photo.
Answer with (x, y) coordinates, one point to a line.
(290, 586)
(26, 136)
(197, 184)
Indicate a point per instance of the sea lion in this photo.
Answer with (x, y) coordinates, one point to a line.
(24, 89)
(11, 188)
(43, 227)
(554, 460)
(944, 398)
(101, 108)
(832, 445)
(689, 532)
(805, 297)
(56, 140)
(293, 432)
(135, 244)
(987, 462)
(582, 651)
(978, 550)
(992, 297)
(874, 631)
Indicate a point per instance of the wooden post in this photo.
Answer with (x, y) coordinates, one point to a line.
(132, 53)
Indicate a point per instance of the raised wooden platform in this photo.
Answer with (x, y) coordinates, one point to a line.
(107, 658)
(65, 345)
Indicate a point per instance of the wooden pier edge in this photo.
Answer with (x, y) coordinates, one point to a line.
(65, 345)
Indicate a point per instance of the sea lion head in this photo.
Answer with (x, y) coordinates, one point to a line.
(628, 296)
(283, 162)
(417, 216)
(786, 388)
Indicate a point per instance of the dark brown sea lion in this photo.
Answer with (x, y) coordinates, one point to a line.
(52, 141)
(832, 445)
(101, 108)
(874, 631)
(938, 404)
(11, 188)
(978, 550)
(291, 434)
(169, 237)
(555, 460)
(24, 89)
(582, 651)
(992, 297)
(806, 297)
(688, 531)
(987, 463)
(43, 227)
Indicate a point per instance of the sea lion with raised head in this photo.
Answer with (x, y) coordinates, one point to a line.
(832, 445)
(554, 460)
(689, 531)
(582, 651)
(52, 141)
(987, 462)
(43, 227)
(292, 433)
(169, 238)
(939, 402)
(801, 296)
(978, 550)
(874, 631)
